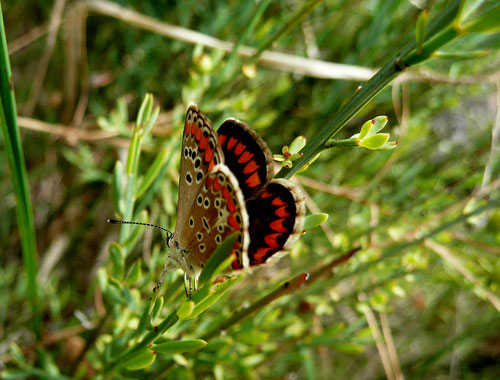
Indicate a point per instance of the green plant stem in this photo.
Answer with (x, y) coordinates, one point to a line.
(15, 158)
(376, 84)
(286, 288)
(150, 337)
(347, 143)
(398, 248)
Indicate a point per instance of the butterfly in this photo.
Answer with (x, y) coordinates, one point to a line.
(226, 186)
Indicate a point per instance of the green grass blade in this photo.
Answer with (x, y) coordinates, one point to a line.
(15, 158)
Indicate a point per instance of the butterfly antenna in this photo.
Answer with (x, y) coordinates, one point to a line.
(170, 235)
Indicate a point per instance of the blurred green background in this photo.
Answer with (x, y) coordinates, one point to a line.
(402, 307)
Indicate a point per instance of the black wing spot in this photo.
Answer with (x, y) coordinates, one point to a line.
(189, 178)
(193, 155)
(191, 222)
(199, 176)
(199, 200)
(197, 163)
(205, 224)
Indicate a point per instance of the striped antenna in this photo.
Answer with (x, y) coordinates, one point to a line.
(170, 235)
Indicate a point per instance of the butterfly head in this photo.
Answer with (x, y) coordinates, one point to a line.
(181, 258)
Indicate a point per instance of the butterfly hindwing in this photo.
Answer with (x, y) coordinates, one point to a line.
(247, 156)
(218, 210)
(276, 219)
(200, 153)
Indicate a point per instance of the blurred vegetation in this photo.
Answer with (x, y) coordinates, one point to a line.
(420, 299)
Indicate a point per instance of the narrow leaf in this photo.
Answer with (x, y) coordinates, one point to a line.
(219, 255)
(117, 260)
(145, 110)
(314, 220)
(152, 173)
(180, 346)
(140, 360)
(375, 141)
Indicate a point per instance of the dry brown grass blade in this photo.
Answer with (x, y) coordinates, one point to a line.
(451, 259)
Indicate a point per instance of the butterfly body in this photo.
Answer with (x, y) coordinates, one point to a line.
(226, 186)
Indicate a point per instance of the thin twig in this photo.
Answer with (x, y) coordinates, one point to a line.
(279, 61)
(28, 38)
(341, 191)
(377, 337)
(391, 347)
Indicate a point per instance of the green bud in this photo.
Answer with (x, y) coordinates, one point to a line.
(278, 157)
(287, 164)
(294, 156)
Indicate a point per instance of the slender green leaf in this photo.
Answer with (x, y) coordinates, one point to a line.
(179, 347)
(140, 360)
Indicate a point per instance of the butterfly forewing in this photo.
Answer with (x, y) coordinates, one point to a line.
(247, 156)
(276, 218)
(217, 211)
(200, 153)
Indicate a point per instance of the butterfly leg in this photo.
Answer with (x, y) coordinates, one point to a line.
(185, 285)
(162, 276)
